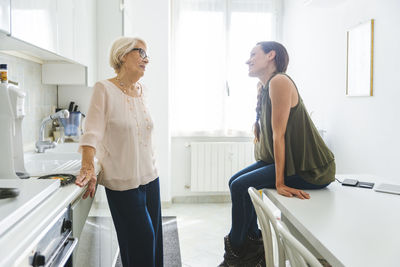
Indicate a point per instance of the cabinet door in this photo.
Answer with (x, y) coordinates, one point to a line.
(5, 16)
(80, 211)
(65, 28)
(35, 22)
(85, 45)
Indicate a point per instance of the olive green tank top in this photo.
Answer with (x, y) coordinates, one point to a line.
(306, 154)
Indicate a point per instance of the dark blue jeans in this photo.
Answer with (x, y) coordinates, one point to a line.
(137, 218)
(258, 175)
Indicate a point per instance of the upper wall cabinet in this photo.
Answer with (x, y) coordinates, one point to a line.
(35, 22)
(54, 30)
(65, 29)
(5, 16)
(84, 36)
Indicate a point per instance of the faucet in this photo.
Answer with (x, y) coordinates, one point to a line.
(41, 144)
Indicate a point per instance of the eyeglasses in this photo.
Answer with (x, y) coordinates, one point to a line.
(142, 53)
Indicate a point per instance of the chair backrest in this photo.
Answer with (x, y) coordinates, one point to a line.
(267, 220)
(297, 254)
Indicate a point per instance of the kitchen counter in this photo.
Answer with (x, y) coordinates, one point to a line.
(20, 240)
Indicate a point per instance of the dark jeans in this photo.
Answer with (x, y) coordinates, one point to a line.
(258, 175)
(137, 218)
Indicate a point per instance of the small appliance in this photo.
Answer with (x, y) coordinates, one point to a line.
(7, 132)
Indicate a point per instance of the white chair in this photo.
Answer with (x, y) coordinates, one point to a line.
(297, 254)
(267, 219)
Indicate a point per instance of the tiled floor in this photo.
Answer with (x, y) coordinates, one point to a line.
(201, 229)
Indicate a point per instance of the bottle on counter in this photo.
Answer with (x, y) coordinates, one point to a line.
(3, 73)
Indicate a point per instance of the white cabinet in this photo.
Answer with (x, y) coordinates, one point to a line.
(5, 16)
(80, 210)
(47, 24)
(84, 36)
(60, 30)
(35, 22)
(65, 29)
(64, 73)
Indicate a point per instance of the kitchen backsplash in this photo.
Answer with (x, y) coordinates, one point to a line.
(40, 98)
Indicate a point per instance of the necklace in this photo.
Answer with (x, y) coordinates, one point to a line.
(125, 89)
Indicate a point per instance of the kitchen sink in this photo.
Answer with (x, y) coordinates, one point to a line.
(39, 164)
(64, 158)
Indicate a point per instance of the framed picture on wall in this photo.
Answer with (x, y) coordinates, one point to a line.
(360, 52)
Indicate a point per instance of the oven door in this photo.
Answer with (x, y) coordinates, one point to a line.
(56, 245)
(63, 257)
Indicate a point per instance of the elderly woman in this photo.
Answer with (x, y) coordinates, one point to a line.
(118, 130)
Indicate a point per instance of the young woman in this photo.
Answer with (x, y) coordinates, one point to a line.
(118, 130)
(290, 154)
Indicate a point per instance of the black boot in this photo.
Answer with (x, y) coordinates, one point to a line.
(254, 255)
(232, 258)
(256, 241)
(251, 254)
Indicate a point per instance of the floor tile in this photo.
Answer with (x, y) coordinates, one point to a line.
(201, 228)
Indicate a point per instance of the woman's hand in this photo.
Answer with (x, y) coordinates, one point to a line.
(87, 177)
(290, 192)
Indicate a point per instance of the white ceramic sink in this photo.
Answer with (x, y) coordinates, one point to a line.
(39, 164)
(64, 158)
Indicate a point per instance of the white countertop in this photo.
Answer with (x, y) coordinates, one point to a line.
(31, 193)
(349, 226)
(22, 237)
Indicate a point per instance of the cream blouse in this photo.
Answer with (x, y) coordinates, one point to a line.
(120, 128)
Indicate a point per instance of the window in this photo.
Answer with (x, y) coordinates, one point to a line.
(212, 39)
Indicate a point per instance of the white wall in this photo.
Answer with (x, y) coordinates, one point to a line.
(362, 131)
(109, 27)
(150, 20)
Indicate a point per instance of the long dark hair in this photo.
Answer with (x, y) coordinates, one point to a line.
(281, 62)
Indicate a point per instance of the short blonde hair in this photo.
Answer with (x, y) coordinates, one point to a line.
(120, 48)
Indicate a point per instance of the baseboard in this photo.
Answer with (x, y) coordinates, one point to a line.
(166, 204)
(202, 199)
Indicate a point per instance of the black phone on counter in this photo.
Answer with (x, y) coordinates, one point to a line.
(350, 182)
(356, 183)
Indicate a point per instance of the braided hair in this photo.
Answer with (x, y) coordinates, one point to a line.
(281, 62)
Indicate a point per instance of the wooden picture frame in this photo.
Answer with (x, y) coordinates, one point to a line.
(360, 55)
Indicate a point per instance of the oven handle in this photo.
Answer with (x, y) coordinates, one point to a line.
(64, 254)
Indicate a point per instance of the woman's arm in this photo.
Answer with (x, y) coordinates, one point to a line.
(94, 132)
(281, 90)
(87, 175)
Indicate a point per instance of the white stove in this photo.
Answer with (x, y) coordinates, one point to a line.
(31, 193)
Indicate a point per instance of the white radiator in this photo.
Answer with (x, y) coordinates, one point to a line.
(214, 163)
